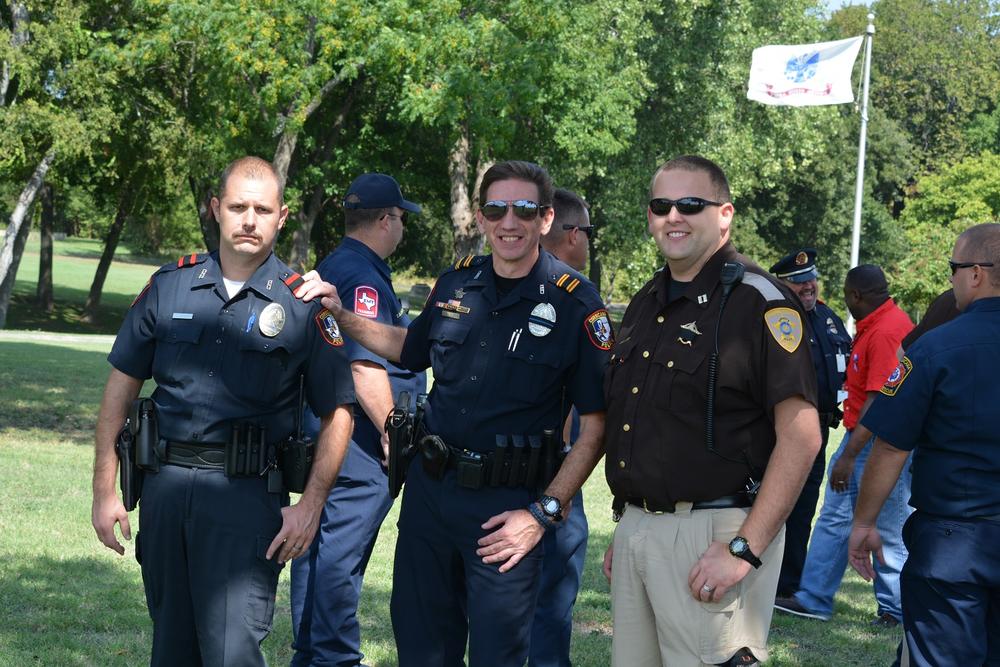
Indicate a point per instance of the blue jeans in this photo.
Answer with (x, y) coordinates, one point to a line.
(827, 557)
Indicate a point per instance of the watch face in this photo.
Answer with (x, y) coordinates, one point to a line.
(551, 505)
(738, 545)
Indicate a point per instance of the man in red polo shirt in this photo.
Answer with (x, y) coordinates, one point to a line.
(881, 326)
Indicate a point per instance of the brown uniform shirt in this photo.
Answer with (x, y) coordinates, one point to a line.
(657, 384)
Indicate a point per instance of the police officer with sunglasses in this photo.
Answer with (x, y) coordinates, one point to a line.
(514, 338)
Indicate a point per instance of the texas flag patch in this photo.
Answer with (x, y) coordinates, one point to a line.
(366, 301)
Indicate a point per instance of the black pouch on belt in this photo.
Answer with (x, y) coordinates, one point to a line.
(295, 458)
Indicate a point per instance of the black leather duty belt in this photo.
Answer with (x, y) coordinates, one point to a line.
(725, 502)
(210, 455)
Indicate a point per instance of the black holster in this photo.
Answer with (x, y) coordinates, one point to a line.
(130, 475)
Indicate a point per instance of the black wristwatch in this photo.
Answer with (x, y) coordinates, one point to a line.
(739, 547)
(552, 507)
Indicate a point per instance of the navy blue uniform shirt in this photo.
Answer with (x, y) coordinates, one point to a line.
(942, 402)
(831, 347)
(364, 283)
(512, 365)
(210, 357)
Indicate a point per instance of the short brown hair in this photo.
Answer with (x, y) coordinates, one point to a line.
(252, 166)
(518, 170)
(700, 164)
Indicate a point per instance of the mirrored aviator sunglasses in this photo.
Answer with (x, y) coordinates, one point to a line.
(685, 205)
(496, 209)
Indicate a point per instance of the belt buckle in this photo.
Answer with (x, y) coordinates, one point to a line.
(645, 508)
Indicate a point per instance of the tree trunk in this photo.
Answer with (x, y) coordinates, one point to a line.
(18, 38)
(110, 245)
(17, 235)
(44, 291)
(202, 192)
(468, 240)
(311, 207)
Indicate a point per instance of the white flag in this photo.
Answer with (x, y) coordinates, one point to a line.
(804, 74)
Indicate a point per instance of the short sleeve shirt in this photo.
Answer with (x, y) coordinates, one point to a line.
(510, 365)
(657, 384)
(218, 360)
(941, 402)
(873, 355)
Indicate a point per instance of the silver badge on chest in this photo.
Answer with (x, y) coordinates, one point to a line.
(542, 319)
(272, 320)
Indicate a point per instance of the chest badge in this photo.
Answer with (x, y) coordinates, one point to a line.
(687, 334)
(272, 320)
(460, 294)
(542, 319)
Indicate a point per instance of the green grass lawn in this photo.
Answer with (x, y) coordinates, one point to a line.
(67, 600)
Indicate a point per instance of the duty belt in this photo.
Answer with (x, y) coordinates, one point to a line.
(654, 507)
(208, 455)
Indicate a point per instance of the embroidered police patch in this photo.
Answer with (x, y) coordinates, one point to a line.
(599, 330)
(785, 326)
(897, 376)
(329, 328)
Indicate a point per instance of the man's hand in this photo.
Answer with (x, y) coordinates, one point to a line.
(715, 573)
(609, 555)
(518, 534)
(864, 542)
(105, 512)
(299, 524)
(315, 287)
(840, 474)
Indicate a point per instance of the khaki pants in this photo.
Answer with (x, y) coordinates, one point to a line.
(656, 621)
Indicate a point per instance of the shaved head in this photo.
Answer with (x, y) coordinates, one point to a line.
(251, 167)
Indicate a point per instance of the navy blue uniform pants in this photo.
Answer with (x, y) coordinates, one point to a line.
(798, 525)
(950, 587)
(443, 595)
(201, 545)
(326, 584)
(562, 570)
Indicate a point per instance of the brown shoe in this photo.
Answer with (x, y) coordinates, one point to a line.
(885, 620)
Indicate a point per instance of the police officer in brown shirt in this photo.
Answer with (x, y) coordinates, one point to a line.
(711, 430)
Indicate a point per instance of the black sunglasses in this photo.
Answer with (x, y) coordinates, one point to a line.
(496, 209)
(686, 205)
(589, 230)
(955, 266)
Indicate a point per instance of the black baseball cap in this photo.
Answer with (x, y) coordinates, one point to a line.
(377, 191)
(798, 266)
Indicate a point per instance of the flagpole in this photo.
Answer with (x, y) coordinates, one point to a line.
(859, 185)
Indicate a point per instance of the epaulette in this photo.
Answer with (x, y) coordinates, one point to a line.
(292, 281)
(467, 261)
(191, 260)
(764, 286)
(567, 281)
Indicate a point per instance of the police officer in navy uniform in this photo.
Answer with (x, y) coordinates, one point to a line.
(941, 404)
(568, 239)
(514, 339)
(326, 585)
(831, 346)
(229, 340)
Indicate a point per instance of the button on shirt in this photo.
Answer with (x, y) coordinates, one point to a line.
(942, 403)
(511, 365)
(364, 283)
(831, 347)
(873, 355)
(212, 362)
(656, 387)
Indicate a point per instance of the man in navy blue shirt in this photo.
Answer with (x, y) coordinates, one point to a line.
(941, 404)
(326, 585)
(230, 342)
(565, 549)
(514, 338)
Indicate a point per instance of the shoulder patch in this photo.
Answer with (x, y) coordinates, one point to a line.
(366, 301)
(785, 326)
(567, 282)
(764, 286)
(897, 377)
(329, 329)
(598, 327)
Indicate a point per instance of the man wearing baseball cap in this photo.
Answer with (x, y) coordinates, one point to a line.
(326, 585)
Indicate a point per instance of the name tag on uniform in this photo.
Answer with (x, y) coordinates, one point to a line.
(841, 363)
(183, 316)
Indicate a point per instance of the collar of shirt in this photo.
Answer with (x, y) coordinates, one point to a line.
(867, 322)
(987, 304)
(532, 288)
(703, 284)
(367, 253)
(264, 281)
